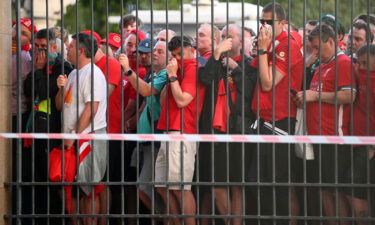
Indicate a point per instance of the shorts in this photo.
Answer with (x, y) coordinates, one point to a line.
(220, 157)
(281, 154)
(168, 163)
(147, 169)
(332, 166)
(95, 172)
(358, 173)
(273, 163)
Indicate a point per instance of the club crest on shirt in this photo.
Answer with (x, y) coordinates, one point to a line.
(281, 56)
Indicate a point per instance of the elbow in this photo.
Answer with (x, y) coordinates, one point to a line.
(351, 98)
(266, 87)
(145, 93)
(181, 104)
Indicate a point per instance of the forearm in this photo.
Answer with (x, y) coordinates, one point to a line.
(130, 109)
(140, 85)
(58, 101)
(137, 115)
(85, 118)
(163, 95)
(111, 88)
(264, 74)
(182, 98)
(342, 97)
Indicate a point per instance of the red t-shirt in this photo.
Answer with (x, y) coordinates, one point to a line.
(282, 92)
(327, 84)
(365, 102)
(114, 77)
(188, 85)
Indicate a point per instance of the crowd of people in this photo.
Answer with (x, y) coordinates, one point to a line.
(222, 81)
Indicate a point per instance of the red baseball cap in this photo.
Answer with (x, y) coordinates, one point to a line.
(113, 39)
(96, 35)
(27, 23)
(141, 35)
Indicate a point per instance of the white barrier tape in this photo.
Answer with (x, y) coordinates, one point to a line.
(352, 140)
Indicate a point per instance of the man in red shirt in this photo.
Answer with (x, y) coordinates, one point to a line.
(130, 95)
(181, 116)
(328, 113)
(364, 117)
(280, 73)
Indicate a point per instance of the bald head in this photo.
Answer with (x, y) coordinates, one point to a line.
(160, 55)
(204, 38)
(234, 32)
(162, 35)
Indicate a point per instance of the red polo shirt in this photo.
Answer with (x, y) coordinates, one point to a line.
(113, 77)
(365, 102)
(189, 85)
(282, 92)
(326, 72)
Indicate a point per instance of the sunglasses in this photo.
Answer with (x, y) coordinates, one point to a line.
(269, 22)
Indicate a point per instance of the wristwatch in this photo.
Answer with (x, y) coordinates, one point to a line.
(172, 79)
(129, 73)
(262, 52)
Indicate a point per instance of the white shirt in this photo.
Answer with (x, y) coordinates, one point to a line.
(72, 104)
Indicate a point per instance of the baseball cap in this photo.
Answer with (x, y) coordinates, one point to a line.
(113, 39)
(140, 34)
(331, 21)
(146, 46)
(96, 35)
(27, 23)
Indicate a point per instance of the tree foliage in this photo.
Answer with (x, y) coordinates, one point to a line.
(299, 11)
(315, 8)
(100, 13)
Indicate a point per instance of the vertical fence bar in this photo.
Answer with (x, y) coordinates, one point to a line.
(258, 121)
(122, 166)
(304, 87)
(320, 116)
(32, 111)
(62, 100)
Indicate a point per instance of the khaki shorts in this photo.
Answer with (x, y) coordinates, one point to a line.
(173, 162)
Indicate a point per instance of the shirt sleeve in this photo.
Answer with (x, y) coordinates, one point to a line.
(114, 72)
(99, 86)
(346, 79)
(281, 59)
(160, 80)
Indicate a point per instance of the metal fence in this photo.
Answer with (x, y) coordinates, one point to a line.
(247, 126)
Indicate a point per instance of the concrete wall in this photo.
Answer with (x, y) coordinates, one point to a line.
(5, 112)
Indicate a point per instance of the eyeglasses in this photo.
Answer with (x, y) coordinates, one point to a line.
(269, 22)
